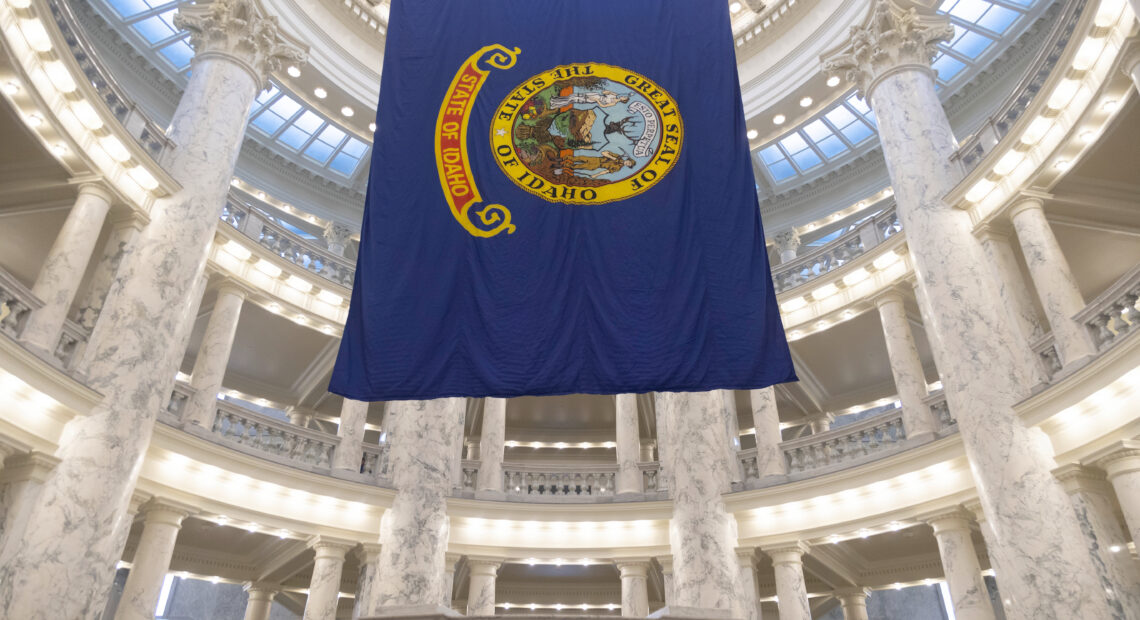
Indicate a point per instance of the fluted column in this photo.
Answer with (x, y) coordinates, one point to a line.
(791, 591)
(747, 605)
(124, 231)
(634, 589)
(260, 602)
(131, 359)
(960, 566)
(854, 603)
(906, 367)
(766, 420)
(492, 443)
(324, 587)
(1122, 464)
(787, 244)
(988, 366)
(350, 452)
(701, 532)
(628, 445)
(66, 263)
(1056, 287)
(161, 522)
(367, 581)
(214, 356)
(1092, 501)
(413, 557)
(481, 590)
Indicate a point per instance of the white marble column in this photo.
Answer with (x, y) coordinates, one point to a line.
(1092, 501)
(1012, 288)
(124, 231)
(854, 603)
(791, 591)
(747, 605)
(731, 435)
(181, 337)
(367, 581)
(766, 420)
(161, 522)
(324, 587)
(214, 356)
(628, 445)
(701, 532)
(481, 589)
(131, 360)
(336, 237)
(492, 441)
(299, 417)
(787, 244)
(968, 592)
(1122, 465)
(260, 602)
(906, 366)
(666, 562)
(988, 366)
(449, 564)
(350, 452)
(21, 480)
(634, 589)
(1056, 287)
(820, 422)
(412, 561)
(64, 267)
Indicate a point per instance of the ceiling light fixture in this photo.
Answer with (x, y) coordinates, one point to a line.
(833, 81)
(752, 133)
(735, 7)
(372, 127)
(779, 119)
(805, 102)
(347, 111)
(320, 92)
(293, 71)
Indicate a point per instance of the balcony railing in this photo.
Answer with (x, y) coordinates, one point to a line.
(563, 482)
(1114, 313)
(838, 252)
(17, 302)
(864, 440)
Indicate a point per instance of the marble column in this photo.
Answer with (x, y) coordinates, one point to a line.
(854, 603)
(906, 367)
(968, 592)
(1012, 288)
(787, 244)
(181, 337)
(412, 563)
(161, 522)
(367, 580)
(634, 589)
(1056, 287)
(988, 366)
(628, 445)
(336, 237)
(491, 446)
(1122, 465)
(299, 417)
(21, 480)
(260, 602)
(124, 231)
(731, 435)
(1092, 501)
(131, 359)
(747, 605)
(662, 431)
(64, 267)
(701, 532)
(214, 356)
(766, 420)
(820, 422)
(666, 562)
(1131, 64)
(350, 452)
(791, 592)
(481, 589)
(324, 587)
(450, 561)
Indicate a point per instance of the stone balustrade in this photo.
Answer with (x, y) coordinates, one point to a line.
(287, 244)
(72, 340)
(865, 440)
(941, 410)
(583, 481)
(16, 303)
(376, 461)
(1065, 17)
(836, 253)
(261, 433)
(1114, 313)
(141, 128)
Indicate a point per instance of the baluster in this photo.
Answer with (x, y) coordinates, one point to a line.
(592, 485)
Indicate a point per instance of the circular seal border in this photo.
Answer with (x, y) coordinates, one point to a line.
(607, 193)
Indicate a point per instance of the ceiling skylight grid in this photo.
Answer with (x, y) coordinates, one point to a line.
(153, 22)
(835, 133)
(301, 130)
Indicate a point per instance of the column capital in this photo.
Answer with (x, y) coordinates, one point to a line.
(28, 466)
(163, 511)
(666, 562)
(632, 568)
(332, 548)
(231, 287)
(337, 234)
(898, 34)
(242, 32)
(1122, 457)
(367, 552)
(746, 557)
(852, 592)
(949, 520)
(790, 553)
(97, 189)
(1075, 477)
(787, 241)
(974, 507)
(483, 566)
(1025, 202)
(265, 589)
(889, 296)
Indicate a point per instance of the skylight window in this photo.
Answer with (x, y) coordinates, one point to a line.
(290, 123)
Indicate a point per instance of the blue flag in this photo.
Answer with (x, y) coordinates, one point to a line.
(561, 201)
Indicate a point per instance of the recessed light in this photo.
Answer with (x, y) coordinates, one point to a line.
(833, 81)
(1088, 136)
(293, 71)
(1063, 165)
(35, 120)
(11, 88)
(1110, 105)
(59, 149)
(779, 119)
(735, 7)
(347, 111)
(372, 127)
(752, 133)
(320, 92)
(805, 102)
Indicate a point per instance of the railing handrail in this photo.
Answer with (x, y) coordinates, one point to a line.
(867, 423)
(282, 425)
(324, 252)
(1108, 297)
(560, 468)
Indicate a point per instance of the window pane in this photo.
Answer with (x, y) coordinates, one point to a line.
(947, 67)
(153, 29)
(332, 136)
(807, 159)
(856, 132)
(972, 44)
(817, 130)
(998, 19)
(840, 116)
(267, 95)
(355, 147)
(782, 170)
(771, 155)
(268, 122)
(344, 164)
(293, 137)
(127, 8)
(309, 122)
(969, 10)
(831, 146)
(319, 151)
(285, 107)
(793, 143)
(178, 53)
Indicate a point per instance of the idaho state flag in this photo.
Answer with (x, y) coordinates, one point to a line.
(561, 201)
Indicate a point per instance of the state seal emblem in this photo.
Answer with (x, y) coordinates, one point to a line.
(587, 133)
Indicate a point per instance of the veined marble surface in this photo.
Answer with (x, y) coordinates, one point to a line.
(367, 580)
(628, 442)
(732, 434)
(766, 420)
(701, 532)
(492, 442)
(1014, 292)
(353, 416)
(791, 592)
(906, 366)
(324, 587)
(124, 232)
(213, 357)
(968, 592)
(481, 588)
(161, 524)
(747, 606)
(634, 589)
(1118, 572)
